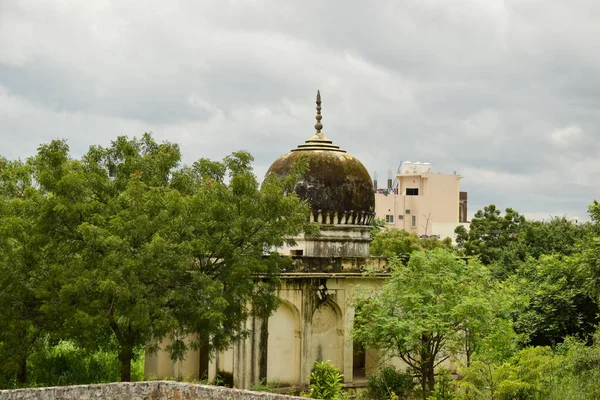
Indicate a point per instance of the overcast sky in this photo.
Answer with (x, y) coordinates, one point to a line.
(506, 93)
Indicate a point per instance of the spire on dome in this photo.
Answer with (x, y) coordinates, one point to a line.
(318, 141)
(319, 125)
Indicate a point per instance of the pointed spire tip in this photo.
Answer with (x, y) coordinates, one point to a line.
(319, 125)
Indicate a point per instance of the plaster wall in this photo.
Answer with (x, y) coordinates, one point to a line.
(446, 229)
(160, 365)
(437, 202)
(333, 241)
(313, 323)
(284, 345)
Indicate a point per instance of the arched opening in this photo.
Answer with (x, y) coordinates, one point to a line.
(283, 351)
(327, 334)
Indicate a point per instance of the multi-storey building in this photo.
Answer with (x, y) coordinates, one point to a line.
(422, 201)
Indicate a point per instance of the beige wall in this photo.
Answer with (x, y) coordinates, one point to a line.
(305, 328)
(160, 365)
(446, 229)
(438, 200)
(284, 344)
(314, 322)
(333, 241)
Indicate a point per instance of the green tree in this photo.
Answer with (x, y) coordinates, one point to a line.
(392, 242)
(530, 375)
(389, 382)
(578, 369)
(504, 242)
(594, 211)
(556, 235)
(146, 249)
(558, 303)
(589, 254)
(444, 388)
(23, 250)
(489, 233)
(433, 307)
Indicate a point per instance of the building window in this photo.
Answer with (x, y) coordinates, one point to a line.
(414, 221)
(296, 252)
(412, 191)
(400, 216)
(389, 219)
(407, 212)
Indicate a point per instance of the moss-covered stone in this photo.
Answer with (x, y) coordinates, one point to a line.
(336, 183)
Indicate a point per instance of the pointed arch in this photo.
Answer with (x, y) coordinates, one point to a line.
(283, 345)
(327, 336)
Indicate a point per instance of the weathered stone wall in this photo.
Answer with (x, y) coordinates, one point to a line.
(154, 390)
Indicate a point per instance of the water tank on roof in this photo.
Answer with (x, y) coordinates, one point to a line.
(418, 167)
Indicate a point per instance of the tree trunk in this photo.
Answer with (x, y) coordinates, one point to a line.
(204, 357)
(125, 356)
(22, 371)
(427, 366)
(468, 358)
(430, 376)
(264, 351)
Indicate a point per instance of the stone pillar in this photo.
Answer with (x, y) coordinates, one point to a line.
(348, 369)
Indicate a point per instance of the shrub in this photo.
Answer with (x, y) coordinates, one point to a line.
(66, 364)
(444, 388)
(389, 380)
(326, 381)
(223, 378)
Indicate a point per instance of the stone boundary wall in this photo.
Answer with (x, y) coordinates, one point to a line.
(153, 390)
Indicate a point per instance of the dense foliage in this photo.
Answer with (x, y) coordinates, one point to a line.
(531, 338)
(389, 382)
(103, 256)
(394, 242)
(431, 308)
(125, 247)
(570, 371)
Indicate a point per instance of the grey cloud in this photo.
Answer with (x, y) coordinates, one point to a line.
(505, 93)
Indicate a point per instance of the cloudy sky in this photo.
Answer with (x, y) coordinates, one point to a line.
(505, 92)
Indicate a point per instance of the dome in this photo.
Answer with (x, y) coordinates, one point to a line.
(337, 185)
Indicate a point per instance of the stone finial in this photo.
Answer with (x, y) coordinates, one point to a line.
(319, 125)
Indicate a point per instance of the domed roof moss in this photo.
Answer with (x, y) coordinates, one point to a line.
(337, 185)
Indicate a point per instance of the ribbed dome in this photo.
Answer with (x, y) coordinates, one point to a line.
(337, 185)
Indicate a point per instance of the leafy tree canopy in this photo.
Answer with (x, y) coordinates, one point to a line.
(505, 241)
(433, 307)
(135, 248)
(23, 254)
(392, 242)
(489, 233)
(558, 303)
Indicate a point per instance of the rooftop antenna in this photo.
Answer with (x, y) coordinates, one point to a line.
(375, 180)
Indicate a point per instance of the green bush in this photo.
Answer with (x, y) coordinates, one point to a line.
(571, 372)
(326, 381)
(444, 388)
(389, 380)
(223, 378)
(66, 364)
